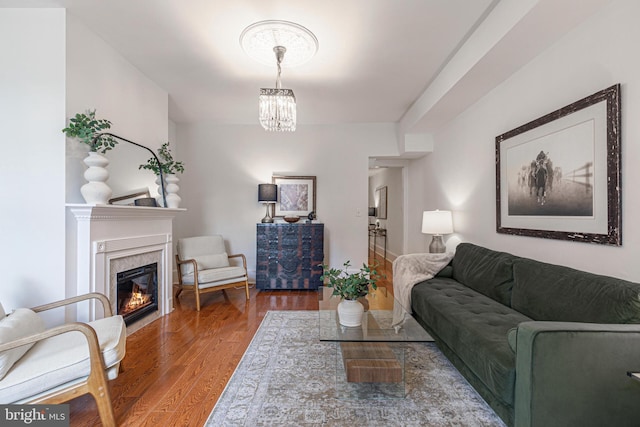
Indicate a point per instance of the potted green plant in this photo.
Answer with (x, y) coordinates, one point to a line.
(350, 287)
(169, 165)
(169, 168)
(86, 128)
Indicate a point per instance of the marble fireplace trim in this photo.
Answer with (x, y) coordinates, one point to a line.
(116, 255)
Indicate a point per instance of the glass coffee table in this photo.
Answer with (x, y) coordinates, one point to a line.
(370, 359)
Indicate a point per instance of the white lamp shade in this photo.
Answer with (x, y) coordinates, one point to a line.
(437, 222)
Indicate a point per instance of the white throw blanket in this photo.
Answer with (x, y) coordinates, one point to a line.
(409, 270)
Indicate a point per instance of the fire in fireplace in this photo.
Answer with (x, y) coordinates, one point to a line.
(137, 292)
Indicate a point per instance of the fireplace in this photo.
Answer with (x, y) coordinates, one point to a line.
(137, 292)
(112, 239)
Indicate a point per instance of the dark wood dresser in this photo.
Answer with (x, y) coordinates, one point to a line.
(288, 256)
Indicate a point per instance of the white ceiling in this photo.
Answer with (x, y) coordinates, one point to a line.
(376, 57)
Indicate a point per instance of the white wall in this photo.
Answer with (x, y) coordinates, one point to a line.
(419, 193)
(32, 189)
(98, 77)
(460, 174)
(225, 164)
(394, 224)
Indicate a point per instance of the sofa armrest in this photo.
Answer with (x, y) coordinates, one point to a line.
(576, 374)
(106, 305)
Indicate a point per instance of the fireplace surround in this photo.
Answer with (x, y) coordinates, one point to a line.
(106, 240)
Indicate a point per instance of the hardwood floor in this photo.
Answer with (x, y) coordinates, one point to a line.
(176, 368)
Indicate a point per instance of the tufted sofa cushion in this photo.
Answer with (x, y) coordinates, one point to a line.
(444, 304)
(484, 270)
(553, 292)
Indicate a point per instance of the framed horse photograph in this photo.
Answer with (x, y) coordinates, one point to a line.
(558, 177)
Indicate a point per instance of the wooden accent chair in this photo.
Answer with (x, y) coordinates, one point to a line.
(52, 366)
(203, 266)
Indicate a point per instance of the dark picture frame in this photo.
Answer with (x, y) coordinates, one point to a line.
(381, 202)
(558, 177)
(296, 195)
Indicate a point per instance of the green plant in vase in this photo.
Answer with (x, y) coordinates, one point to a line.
(169, 168)
(349, 287)
(168, 164)
(85, 126)
(87, 129)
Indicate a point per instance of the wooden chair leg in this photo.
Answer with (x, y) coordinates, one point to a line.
(195, 289)
(246, 288)
(99, 389)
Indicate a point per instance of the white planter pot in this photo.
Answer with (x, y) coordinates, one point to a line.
(350, 313)
(173, 200)
(96, 191)
(170, 190)
(159, 199)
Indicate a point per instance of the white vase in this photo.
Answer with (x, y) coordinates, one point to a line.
(160, 199)
(350, 313)
(171, 188)
(96, 191)
(170, 191)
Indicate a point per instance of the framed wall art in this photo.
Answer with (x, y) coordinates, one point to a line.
(558, 177)
(296, 195)
(381, 202)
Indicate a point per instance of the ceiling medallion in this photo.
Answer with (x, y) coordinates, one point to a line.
(259, 39)
(264, 40)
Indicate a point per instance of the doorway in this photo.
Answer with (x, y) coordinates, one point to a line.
(386, 193)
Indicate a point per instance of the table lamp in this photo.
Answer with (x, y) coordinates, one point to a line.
(437, 223)
(267, 194)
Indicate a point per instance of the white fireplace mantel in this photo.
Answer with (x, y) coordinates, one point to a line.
(117, 212)
(102, 236)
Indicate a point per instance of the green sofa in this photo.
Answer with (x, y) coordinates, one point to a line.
(544, 345)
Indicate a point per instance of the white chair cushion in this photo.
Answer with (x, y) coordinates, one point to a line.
(19, 324)
(62, 359)
(198, 247)
(191, 247)
(2, 313)
(212, 261)
(208, 278)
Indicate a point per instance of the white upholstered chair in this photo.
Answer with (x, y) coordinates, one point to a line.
(203, 266)
(51, 366)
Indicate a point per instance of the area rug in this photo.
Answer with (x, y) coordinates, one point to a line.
(287, 377)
